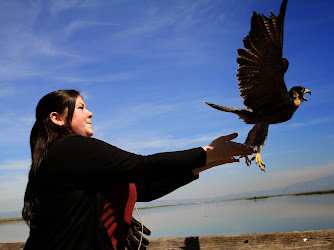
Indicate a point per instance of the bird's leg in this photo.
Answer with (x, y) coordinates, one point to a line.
(247, 160)
(258, 159)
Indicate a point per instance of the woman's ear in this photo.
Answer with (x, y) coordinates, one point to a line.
(57, 119)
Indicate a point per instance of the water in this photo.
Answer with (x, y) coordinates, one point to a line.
(279, 214)
(16, 231)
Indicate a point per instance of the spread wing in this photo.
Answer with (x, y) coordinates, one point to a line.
(261, 66)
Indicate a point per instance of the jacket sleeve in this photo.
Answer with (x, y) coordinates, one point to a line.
(91, 160)
(160, 187)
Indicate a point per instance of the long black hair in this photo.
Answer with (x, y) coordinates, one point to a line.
(42, 134)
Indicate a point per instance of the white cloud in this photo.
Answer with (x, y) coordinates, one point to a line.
(155, 142)
(141, 143)
(140, 29)
(13, 181)
(310, 123)
(151, 109)
(12, 70)
(62, 5)
(6, 91)
(128, 115)
(236, 178)
(12, 188)
(15, 128)
(82, 24)
(26, 54)
(104, 78)
(331, 138)
(15, 165)
(134, 134)
(283, 178)
(296, 175)
(48, 47)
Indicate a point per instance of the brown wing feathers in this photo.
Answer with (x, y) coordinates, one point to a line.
(261, 67)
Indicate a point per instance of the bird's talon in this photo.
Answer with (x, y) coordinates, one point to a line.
(248, 162)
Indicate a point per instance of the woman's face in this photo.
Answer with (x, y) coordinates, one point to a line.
(81, 120)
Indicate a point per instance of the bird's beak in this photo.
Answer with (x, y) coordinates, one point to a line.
(304, 92)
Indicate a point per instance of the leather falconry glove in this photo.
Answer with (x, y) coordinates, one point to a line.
(134, 234)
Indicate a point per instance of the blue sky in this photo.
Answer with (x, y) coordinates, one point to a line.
(145, 68)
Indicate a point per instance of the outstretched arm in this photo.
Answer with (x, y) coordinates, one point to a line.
(222, 150)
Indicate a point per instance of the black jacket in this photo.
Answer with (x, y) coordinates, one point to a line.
(76, 172)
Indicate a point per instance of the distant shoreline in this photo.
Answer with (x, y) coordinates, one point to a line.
(245, 198)
(10, 220)
(6, 220)
(296, 194)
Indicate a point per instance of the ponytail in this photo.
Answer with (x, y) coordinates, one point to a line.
(42, 134)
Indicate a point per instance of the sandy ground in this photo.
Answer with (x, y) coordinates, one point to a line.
(322, 239)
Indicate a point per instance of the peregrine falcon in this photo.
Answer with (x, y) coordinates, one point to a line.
(261, 81)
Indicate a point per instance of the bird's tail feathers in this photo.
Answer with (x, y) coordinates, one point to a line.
(238, 111)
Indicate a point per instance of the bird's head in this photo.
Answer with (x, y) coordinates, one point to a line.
(296, 94)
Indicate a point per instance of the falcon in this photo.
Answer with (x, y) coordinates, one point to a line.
(261, 81)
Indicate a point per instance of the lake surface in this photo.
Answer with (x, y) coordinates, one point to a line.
(278, 214)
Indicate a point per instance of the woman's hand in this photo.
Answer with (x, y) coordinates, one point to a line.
(222, 150)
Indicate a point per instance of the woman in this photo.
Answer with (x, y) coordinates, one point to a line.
(74, 178)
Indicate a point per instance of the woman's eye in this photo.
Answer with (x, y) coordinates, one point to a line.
(81, 108)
